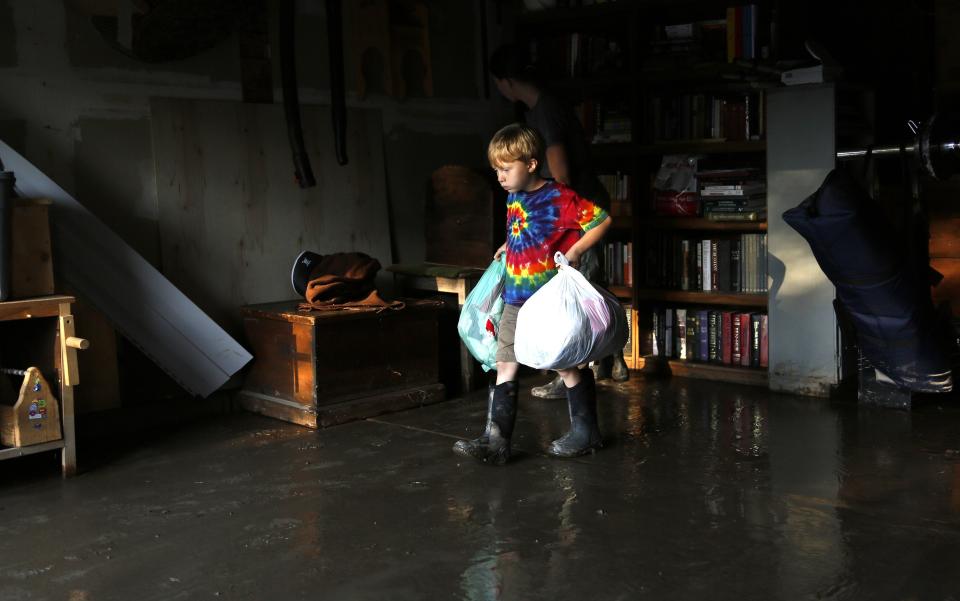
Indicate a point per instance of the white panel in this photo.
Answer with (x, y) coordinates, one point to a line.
(801, 151)
(138, 300)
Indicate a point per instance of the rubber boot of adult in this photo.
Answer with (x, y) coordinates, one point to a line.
(554, 389)
(493, 446)
(584, 435)
(619, 371)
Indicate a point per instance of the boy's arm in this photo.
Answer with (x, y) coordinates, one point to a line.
(591, 237)
(500, 251)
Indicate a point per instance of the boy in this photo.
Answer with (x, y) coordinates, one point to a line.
(566, 160)
(543, 217)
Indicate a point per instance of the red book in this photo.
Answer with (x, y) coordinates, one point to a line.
(744, 339)
(735, 343)
(726, 333)
(764, 349)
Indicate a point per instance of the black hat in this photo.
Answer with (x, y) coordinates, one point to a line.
(300, 275)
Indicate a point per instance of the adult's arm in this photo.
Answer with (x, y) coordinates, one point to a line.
(557, 162)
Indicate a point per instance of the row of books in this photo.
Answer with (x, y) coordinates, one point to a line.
(710, 336)
(605, 122)
(618, 263)
(577, 55)
(617, 185)
(746, 33)
(736, 264)
(732, 194)
(732, 117)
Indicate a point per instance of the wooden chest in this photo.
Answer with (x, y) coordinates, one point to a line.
(323, 368)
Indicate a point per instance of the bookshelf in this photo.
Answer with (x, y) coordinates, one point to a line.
(680, 84)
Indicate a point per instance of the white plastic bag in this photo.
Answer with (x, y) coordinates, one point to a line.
(479, 321)
(568, 322)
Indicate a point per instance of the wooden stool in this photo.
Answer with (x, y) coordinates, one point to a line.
(43, 332)
(445, 279)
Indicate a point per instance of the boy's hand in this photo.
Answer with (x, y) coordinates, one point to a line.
(573, 257)
(500, 251)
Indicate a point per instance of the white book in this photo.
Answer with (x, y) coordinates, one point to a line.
(705, 246)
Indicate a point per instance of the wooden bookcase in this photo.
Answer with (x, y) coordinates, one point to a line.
(565, 35)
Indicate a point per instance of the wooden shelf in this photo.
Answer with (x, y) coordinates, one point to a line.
(10, 452)
(579, 17)
(621, 292)
(700, 223)
(44, 306)
(736, 299)
(750, 376)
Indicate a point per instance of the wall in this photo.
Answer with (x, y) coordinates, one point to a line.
(80, 111)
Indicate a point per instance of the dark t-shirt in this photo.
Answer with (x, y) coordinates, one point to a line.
(558, 124)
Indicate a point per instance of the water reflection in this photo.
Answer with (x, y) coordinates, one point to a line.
(775, 497)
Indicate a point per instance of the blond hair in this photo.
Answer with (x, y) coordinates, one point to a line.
(515, 142)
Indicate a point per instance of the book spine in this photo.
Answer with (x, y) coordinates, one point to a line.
(712, 337)
(726, 337)
(744, 339)
(681, 334)
(764, 347)
(714, 265)
(735, 339)
(703, 335)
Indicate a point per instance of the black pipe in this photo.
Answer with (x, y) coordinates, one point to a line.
(6, 215)
(291, 101)
(338, 102)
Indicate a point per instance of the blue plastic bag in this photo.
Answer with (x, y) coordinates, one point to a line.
(479, 321)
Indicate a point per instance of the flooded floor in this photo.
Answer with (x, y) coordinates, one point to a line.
(703, 491)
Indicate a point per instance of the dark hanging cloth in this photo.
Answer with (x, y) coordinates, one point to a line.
(888, 301)
(345, 281)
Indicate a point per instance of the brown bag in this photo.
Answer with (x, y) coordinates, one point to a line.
(343, 281)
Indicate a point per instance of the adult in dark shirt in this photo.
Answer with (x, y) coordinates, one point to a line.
(567, 161)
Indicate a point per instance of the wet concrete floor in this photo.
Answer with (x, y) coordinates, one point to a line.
(704, 491)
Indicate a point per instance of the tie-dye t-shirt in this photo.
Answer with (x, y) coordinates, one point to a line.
(539, 223)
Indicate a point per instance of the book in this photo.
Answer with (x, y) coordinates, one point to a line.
(735, 345)
(693, 328)
(703, 335)
(723, 266)
(713, 331)
(764, 348)
(726, 337)
(668, 333)
(754, 340)
(714, 265)
(680, 333)
(744, 339)
(735, 266)
(705, 264)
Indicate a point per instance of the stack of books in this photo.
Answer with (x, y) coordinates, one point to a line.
(733, 195)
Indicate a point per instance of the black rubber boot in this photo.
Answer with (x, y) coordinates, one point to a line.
(552, 390)
(619, 372)
(584, 435)
(493, 446)
(602, 368)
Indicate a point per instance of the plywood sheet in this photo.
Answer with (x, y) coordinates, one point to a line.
(232, 219)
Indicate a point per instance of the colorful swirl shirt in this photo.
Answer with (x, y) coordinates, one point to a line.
(539, 223)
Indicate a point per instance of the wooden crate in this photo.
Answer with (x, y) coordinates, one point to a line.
(34, 417)
(465, 217)
(323, 368)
